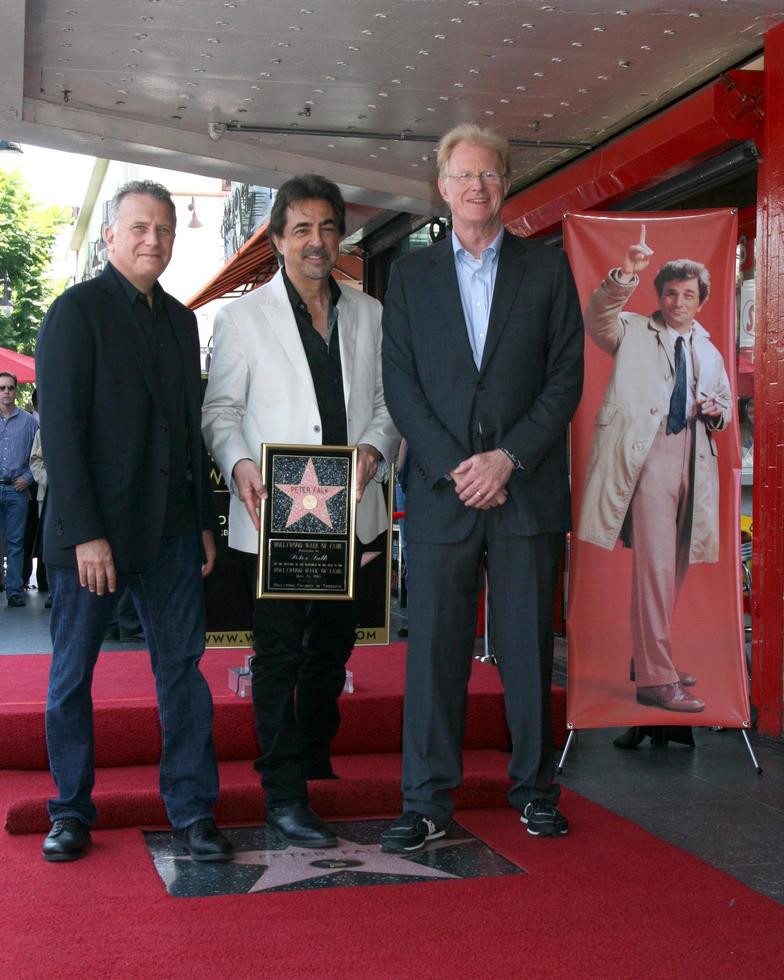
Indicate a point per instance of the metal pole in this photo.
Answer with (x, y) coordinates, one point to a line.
(757, 766)
(488, 657)
(559, 767)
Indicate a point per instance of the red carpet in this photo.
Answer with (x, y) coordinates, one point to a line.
(126, 720)
(608, 902)
(128, 740)
(128, 796)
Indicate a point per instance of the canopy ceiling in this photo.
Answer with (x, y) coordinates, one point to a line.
(335, 83)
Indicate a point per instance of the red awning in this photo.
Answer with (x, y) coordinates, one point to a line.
(19, 364)
(249, 267)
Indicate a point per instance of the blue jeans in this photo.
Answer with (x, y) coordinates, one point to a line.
(169, 599)
(13, 516)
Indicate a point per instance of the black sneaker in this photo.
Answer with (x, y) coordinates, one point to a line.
(543, 819)
(410, 833)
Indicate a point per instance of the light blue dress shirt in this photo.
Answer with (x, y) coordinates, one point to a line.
(476, 278)
(16, 440)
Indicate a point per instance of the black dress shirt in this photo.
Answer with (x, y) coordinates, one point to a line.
(324, 363)
(165, 365)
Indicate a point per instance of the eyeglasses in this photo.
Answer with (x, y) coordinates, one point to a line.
(486, 176)
(7, 387)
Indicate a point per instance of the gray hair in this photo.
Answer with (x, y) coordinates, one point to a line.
(476, 135)
(146, 187)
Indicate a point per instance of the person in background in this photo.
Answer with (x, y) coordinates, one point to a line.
(38, 469)
(17, 431)
(32, 536)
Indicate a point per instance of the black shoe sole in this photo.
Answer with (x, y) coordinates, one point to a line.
(56, 857)
(179, 848)
(650, 703)
(394, 847)
(275, 836)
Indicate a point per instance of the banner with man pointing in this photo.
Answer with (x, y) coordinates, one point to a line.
(655, 620)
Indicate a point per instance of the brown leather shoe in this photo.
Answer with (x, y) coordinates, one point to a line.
(686, 680)
(672, 697)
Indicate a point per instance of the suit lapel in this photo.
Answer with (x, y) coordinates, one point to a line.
(448, 298)
(664, 339)
(511, 272)
(347, 334)
(283, 327)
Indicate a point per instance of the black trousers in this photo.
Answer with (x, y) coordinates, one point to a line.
(444, 583)
(297, 672)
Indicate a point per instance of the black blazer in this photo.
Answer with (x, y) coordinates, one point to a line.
(521, 398)
(103, 433)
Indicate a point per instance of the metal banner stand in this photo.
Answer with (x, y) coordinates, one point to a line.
(572, 732)
(488, 657)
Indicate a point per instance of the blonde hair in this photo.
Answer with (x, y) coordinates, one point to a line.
(471, 133)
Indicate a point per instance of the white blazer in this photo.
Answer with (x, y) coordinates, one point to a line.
(260, 390)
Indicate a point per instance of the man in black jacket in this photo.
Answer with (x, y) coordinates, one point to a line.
(483, 368)
(129, 505)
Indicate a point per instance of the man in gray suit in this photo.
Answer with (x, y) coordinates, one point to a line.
(483, 366)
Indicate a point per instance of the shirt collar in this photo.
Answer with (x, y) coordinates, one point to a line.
(674, 334)
(296, 300)
(134, 293)
(492, 248)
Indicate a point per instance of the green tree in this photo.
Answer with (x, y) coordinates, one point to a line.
(27, 235)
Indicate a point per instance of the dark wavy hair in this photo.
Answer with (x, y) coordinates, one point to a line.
(307, 187)
(683, 269)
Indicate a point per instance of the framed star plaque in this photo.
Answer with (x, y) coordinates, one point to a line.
(306, 537)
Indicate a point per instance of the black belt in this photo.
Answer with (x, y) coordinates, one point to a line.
(7, 481)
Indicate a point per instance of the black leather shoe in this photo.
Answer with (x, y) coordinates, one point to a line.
(297, 824)
(203, 841)
(16, 601)
(68, 840)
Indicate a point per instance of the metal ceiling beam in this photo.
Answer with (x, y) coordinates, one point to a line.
(140, 141)
(217, 129)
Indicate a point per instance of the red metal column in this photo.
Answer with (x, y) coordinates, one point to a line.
(767, 604)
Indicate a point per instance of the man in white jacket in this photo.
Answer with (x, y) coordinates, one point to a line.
(299, 361)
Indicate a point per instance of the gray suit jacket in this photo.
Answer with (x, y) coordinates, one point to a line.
(522, 396)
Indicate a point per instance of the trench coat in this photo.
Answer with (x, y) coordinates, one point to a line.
(635, 406)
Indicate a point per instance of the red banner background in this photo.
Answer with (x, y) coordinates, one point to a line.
(708, 622)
